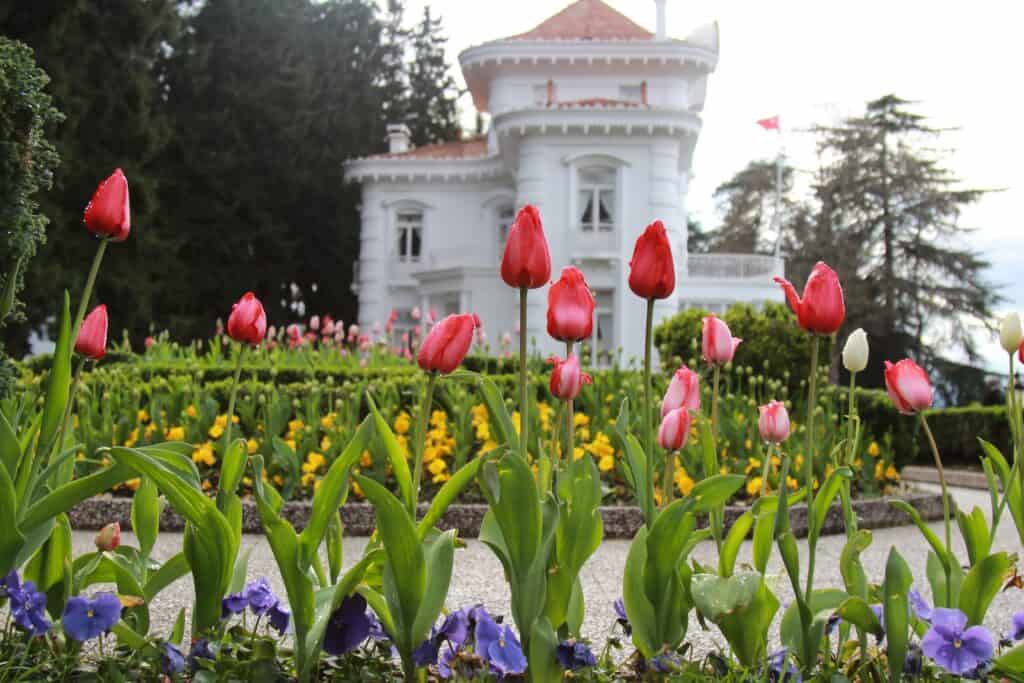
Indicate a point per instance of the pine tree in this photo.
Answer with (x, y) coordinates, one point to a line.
(747, 204)
(431, 113)
(888, 214)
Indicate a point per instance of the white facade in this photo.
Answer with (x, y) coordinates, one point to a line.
(593, 120)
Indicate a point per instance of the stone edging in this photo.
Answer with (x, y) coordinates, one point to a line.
(968, 479)
(619, 521)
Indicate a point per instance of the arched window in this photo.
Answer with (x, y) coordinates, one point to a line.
(506, 215)
(597, 199)
(409, 231)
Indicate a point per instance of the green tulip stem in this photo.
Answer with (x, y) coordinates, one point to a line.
(668, 478)
(419, 436)
(67, 413)
(234, 394)
(648, 399)
(569, 457)
(716, 378)
(1013, 413)
(845, 490)
(765, 470)
(90, 283)
(812, 400)
(717, 514)
(945, 504)
(524, 379)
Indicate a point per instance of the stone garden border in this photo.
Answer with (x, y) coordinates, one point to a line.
(619, 521)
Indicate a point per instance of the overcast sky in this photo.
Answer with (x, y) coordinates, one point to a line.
(815, 62)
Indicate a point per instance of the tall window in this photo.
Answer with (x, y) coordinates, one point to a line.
(409, 227)
(597, 199)
(506, 216)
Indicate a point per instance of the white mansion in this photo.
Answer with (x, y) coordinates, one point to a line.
(594, 120)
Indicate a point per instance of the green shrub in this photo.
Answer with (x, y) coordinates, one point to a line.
(27, 160)
(773, 343)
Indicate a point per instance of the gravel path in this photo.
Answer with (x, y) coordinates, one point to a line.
(478, 574)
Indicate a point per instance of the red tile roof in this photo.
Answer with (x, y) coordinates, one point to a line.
(587, 20)
(472, 148)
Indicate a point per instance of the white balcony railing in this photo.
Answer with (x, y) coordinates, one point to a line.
(733, 266)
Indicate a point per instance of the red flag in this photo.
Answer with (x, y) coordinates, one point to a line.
(770, 123)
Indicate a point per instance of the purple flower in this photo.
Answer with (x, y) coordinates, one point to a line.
(498, 646)
(171, 660)
(777, 664)
(233, 604)
(1017, 632)
(952, 646)
(348, 627)
(260, 596)
(921, 608)
(880, 614)
(425, 653)
(280, 617)
(573, 655)
(200, 650)
(666, 663)
(444, 662)
(623, 619)
(453, 630)
(27, 605)
(87, 619)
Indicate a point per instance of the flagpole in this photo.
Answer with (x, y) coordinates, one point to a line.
(776, 215)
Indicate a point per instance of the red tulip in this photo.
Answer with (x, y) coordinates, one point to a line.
(683, 392)
(566, 378)
(92, 335)
(570, 307)
(526, 262)
(774, 422)
(448, 343)
(675, 429)
(717, 341)
(109, 537)
(821, 310)
(652, 273)
(108, 213)
(248, 321)
(908, 386)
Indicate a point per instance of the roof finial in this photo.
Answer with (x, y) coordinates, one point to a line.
(662, 30)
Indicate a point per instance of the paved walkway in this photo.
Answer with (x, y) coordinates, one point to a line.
(478, 574)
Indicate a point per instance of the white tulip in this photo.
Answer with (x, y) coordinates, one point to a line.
(855, 352)
(1010, 333)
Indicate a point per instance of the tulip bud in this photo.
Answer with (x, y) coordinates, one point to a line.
(526, 262)
(908, 386)
(92, 335)
(855, 351)
(108, 213)
(1010, 334)
(683, 392)
(821, 310)
(774, 422)
(566, 378)
(109, 537)
(570, 307)
(675, 429)
(717, 343)
(448, 343)
(652, 272)
(248, 321)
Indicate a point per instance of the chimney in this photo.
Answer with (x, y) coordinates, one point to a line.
(662, 29)
(398, 138)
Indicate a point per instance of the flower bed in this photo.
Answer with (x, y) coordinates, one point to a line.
(396, 439)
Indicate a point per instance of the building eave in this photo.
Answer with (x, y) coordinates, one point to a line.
(438, 170)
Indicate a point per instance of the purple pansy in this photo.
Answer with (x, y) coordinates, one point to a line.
(280, 617)
(86, 619)
(200, 650)
(233, 604)
(954, 647)
(1017, 628)
(921, 608)
(623, 619)
(260, 596)
(573, 655)
(498, 646)
(348, 627)
(880, 614)
(777, 664)
(172, 661)
(444, 661)
(454, 630)
(27, 605)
